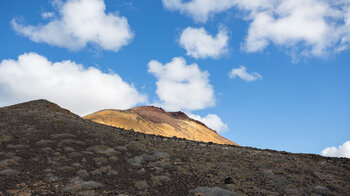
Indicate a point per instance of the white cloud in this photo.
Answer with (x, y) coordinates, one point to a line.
(213, 121)
(181, 86)
(199, 10)
(341, 151)
(293, 24)
(81, 22)
(199, 44)
(81, 90)
(47, 15)
(301, 27)
(242, 73)
(185, 87)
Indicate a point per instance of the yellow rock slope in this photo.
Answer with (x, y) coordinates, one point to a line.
(153, 120)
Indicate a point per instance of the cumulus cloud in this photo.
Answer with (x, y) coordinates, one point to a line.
(301, 27)
(199, 44)
(341, 151)
(185, 87)
(199, 10)
(181, 86)
(310, 24)
(47, 15)
(213, 121)
(80, 22)
(242, 73)
(81, 90)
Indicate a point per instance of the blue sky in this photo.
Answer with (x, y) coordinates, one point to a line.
(270, 75)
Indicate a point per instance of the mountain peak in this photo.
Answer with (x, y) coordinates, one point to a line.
(149, 109)
(155, 120)
(40, 104)
(179, 115)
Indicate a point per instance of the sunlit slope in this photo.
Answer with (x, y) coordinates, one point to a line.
(153, 120)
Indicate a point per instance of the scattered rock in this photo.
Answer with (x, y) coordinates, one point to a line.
(67, 169)
(212, 191)
(87, 193)
(141, 185)
(159, 180)
(9, 172)
(292, 191)
(59, 158)
(136, 161)
(45, 142)
(320, 189)
(136, 146)
(113, 158)
(103, 150)
(77, 165)
(149, 157)
(96, 172)
(49, 170)
(35, 159)
(5, 138)
(100, 160)
(8, 162)
(228, 180)
(15, 157)
(75, 154)
(68, 149)
(82, 173)
(18, 146)
(71, 141)
(88, 152)
(24, 193)
(72, 188)
(112, 172)
(47, 150)
(161, 155)
(54, 163)
(78, 184)
(52, 178)
(62, 136)
(160, 164)
(106, 169)
(90, 184)
(121, 148)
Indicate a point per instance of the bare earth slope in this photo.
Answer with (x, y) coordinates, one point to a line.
(153, 120)
(45, 149)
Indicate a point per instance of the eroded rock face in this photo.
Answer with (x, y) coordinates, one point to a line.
(47, 150)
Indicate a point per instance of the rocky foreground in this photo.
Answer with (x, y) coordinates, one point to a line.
(45, 149)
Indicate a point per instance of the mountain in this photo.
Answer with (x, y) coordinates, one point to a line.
(46, 150)
(154, 120)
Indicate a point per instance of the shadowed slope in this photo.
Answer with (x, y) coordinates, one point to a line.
(154, 120)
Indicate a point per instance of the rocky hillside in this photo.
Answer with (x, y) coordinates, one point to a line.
(45, 149)
(153, 120)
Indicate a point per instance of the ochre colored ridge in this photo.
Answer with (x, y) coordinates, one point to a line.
(154, 120)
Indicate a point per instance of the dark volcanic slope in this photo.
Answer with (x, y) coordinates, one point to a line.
(47, 150)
